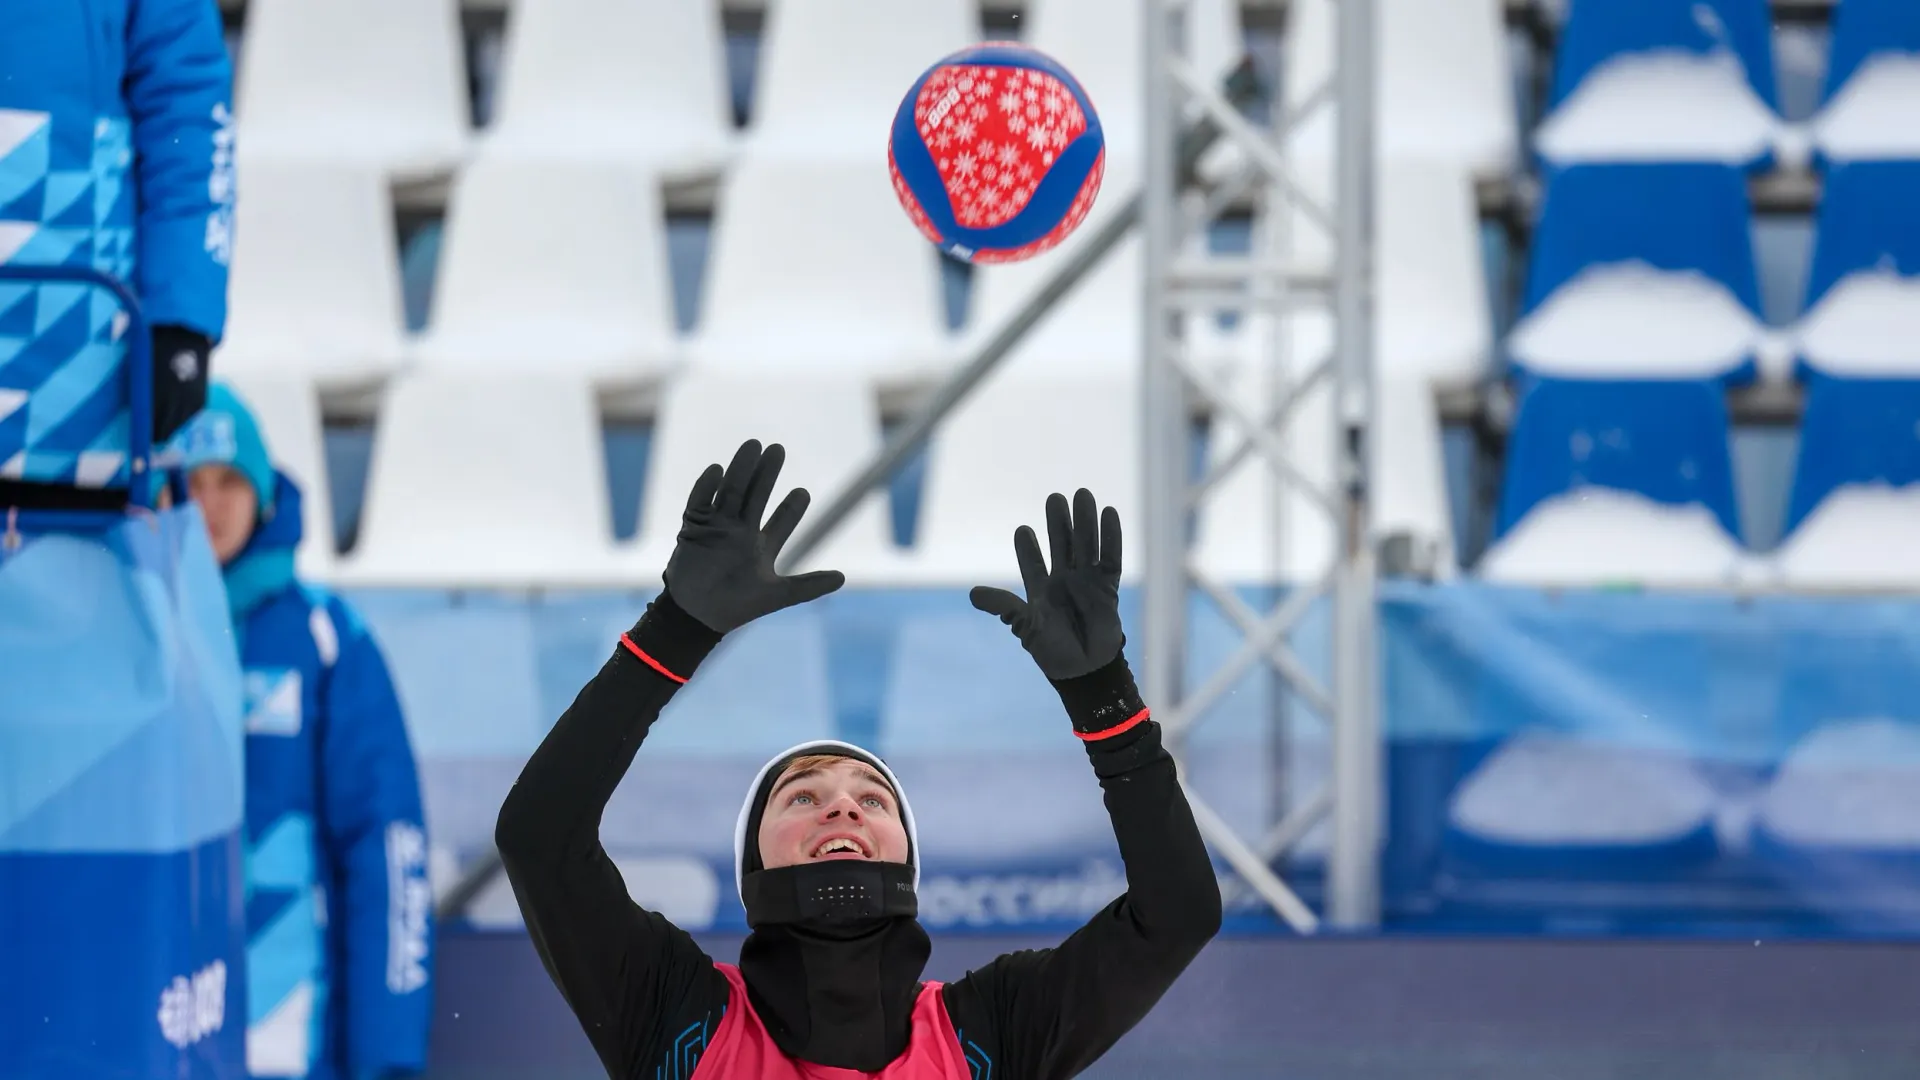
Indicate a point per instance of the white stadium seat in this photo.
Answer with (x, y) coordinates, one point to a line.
(375, 82)
(828, 421)
(1432, 319)
(288, 412)
(554, 265)
(1020, 436)
(1096, 323)
(1254, 529)
(814, 265)
(832, 72)
(315, 286)
(639, 80)
(1100, 43)
(1445, 94)
(486, 479)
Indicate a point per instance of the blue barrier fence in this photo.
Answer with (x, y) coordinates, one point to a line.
(1578, 762)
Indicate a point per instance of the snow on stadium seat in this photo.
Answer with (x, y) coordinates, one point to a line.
(1863, 295)
(1254, 528)
(288, 412)
(1443, 85)
(315, 282)
(1853, 518)
(980, 743)
(380, 83)
(1655, 80)
(832, 72)
(829, 423)
(1550, 801)
(1644, 271)
(815, 266)
(553, 266)
(1873, 82)
(486, 479)
(636, 80)
(1020, 436)
(1618, 482)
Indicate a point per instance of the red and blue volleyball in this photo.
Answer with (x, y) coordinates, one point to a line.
(996, 153)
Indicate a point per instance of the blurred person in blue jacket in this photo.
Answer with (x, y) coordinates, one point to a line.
(339, 911)
(116, 153)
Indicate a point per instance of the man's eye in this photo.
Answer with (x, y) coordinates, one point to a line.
(875, 802)
(802, 798)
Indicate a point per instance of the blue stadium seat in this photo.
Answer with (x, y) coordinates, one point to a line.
(1853, 519)
(1863, 295)
(1653, 80)
(1664, 440)
(1873, 82)
(1618, 481)
(1854, 431)
(1642, 271)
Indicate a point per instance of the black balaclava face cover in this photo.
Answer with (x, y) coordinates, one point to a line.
(833, 962)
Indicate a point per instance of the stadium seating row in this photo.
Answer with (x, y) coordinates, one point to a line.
(499, 478)
(644, 79)
(562, 266)
(1642, 304)
(555, 256)
(1649, 80)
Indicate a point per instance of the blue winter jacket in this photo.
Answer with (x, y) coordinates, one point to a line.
(116, 152)
(339, 914)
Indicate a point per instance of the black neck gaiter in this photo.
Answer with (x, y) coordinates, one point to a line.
(834, 960)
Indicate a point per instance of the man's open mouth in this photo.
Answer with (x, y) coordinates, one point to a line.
(841, 847)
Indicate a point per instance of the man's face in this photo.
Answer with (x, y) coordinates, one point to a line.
(229, 504)
(839, 808)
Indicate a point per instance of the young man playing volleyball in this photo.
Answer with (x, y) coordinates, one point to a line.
(828, 984)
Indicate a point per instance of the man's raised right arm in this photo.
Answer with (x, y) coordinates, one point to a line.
(628, 974)
(637, 982)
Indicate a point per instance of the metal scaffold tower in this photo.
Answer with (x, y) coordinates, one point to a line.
(1185, 283)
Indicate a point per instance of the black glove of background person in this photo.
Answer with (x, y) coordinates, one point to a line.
(179, 378)
(1070, 620)
(721, 571)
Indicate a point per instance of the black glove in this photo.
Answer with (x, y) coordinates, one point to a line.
(179, 378)
(721, 571)
(1070, 620)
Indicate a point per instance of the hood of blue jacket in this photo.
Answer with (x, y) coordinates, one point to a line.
(264, 568)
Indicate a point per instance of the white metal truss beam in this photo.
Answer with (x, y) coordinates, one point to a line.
(1182, 286)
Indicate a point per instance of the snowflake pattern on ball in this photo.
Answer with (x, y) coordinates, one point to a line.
(1077, 213)
(993, 132)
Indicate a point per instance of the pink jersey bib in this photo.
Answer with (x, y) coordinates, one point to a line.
(742, 1050)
